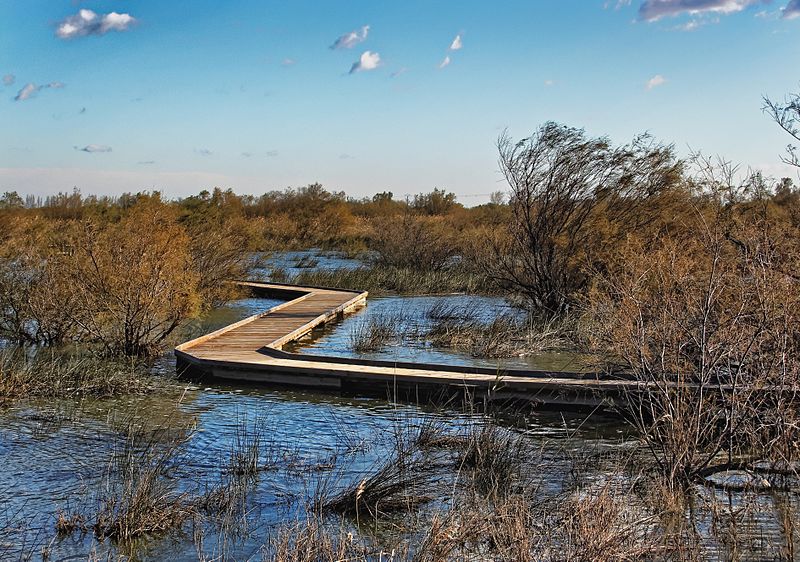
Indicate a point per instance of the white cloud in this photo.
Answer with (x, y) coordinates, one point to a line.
(367, 61)
(792, 10)
(549, 83)
(203, 151)
(288, 62)
(655, 82)
(30, 89)
(654, 10)
(445, 61)
(9, 79)
(456, 44)
(399, 71)
(94, 148)
(86, 22)
(350, 40)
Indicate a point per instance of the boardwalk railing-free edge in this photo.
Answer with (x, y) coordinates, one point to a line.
(251, 350)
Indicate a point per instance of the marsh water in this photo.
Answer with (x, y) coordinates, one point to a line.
(55, 453)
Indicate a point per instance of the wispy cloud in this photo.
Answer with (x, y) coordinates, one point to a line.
(456, 44)
(146, 162)
(655, 82)
(654, 10)
(445, 61)
(288, 62)
(30, 90)
(204, 151)
(792, 10)
(398, 72)
(9, 79)
(86, 22)
(350, 40)
(94, 148)
(549, 83)
(367, 61)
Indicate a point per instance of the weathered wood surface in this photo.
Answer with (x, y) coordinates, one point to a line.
(250, 350)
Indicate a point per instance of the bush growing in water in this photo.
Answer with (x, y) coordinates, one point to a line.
(123, 285)
(707, 319)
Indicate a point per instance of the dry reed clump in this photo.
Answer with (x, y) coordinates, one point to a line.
(53, 374)
(505, 335)
(375, 332)
(602, 525)
(409, 476)
(140, 496)
(314, 540)
(402, 482)
(494, 459)
(380, 279)
(68, 524)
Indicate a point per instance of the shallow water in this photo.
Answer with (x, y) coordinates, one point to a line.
(56, 454)
(293, 263)
(409, 314)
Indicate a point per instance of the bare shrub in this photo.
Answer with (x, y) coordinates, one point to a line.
(709, 327)
(570, 197)
(414, 242)
(787, 115)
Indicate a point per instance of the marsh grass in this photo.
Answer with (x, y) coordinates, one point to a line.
(49, 373)
(140, 495)
(314, 539)
(505, 335)
(438, 491)
(494, 459)
(380, 279)
(408, 476)
(375, 332)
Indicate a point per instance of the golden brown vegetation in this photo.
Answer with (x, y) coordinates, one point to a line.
(122, 285)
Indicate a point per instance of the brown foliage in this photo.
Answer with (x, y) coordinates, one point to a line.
(414, 242)
(709, 325)
(124, 284)
(571, 196)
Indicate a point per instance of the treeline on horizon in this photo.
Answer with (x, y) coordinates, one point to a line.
(296, 218)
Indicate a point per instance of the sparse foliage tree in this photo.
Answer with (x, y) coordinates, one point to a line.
(787, 115)
(570, 196)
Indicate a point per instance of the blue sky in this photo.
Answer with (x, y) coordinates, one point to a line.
(181, 96)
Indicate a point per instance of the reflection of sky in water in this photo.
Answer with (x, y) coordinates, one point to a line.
(55, 453)
(293, 263)
(409, 314)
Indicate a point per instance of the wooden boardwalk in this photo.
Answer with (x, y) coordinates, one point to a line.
(251, 350)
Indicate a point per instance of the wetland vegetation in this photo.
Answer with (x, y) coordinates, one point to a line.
(679, 274)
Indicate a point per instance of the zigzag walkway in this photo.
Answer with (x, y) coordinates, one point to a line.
(251, 350)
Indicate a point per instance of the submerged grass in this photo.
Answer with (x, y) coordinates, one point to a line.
(50, 373)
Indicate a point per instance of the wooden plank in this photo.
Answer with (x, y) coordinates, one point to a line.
(233, 353)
